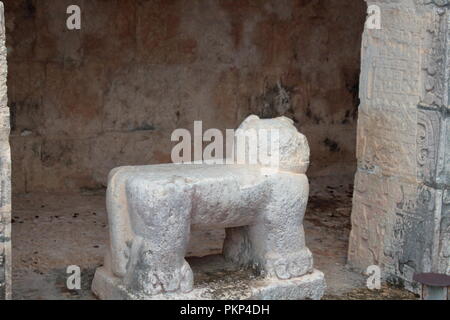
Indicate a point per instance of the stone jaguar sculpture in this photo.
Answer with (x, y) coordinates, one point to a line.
(151, 210)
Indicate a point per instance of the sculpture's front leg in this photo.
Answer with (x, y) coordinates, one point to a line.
(286, 254)
(275, 243)
(160, 218)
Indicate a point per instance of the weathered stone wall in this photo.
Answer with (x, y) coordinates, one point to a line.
(83, 102)
(401, 205)
(5, 172)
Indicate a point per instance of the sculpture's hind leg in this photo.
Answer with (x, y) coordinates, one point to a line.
(275, 243)
(160, 217)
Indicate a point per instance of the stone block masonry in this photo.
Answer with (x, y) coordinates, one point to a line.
(401, 205)
(5, 172)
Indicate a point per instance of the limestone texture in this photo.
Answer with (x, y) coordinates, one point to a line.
(401, 211)
(152, 209)
(5, 172)
(311, 286)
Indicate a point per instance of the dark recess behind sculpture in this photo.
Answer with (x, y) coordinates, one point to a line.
(110, 94)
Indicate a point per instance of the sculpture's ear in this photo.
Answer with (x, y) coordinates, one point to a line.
(286, 119)
(250, 118)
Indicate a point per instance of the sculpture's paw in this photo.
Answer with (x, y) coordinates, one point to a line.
(156, 282)
(290, 266)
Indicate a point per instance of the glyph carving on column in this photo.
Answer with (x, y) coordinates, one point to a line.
(400, 217)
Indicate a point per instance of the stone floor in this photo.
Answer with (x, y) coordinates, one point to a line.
(51, 232)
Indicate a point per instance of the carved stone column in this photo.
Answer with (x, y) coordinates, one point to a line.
(5, 172)
(401, 205)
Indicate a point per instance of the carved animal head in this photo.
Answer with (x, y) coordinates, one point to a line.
(273, 143)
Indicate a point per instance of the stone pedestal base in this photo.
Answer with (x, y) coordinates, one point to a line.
(311, 286)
